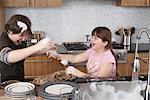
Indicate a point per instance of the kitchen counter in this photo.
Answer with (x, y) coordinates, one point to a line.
(91, 90)
(142, 47)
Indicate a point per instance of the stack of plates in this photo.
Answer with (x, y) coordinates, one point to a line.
(19, 90)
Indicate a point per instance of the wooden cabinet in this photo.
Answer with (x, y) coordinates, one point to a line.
(2, 20)
(126, 69)
(133, 2)
(40, 65)
(143, 66)
(15, 3)
(31, 3)
(45, 3)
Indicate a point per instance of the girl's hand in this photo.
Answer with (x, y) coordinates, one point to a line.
(52, 53)
(72, 70)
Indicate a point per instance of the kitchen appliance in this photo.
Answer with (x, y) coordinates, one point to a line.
(75, 47)
(62, 90)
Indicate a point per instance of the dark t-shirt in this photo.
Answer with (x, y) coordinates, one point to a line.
(13, 71)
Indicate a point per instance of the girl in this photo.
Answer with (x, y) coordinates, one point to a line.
(101, 61)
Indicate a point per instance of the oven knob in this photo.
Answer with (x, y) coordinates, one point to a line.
(118, 56)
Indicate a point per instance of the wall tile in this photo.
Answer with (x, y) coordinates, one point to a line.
(76, 18)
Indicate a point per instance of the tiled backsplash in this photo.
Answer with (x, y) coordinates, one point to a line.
(76, 18)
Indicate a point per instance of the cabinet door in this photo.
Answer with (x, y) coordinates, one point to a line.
(45, 3)
(2, 20)
(133, 2)
(122, 70)
(41, 65)
(14, 3)
(143, 66)
(125, 69)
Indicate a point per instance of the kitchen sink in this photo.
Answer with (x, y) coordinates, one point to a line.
(117, 90)
(125, 78)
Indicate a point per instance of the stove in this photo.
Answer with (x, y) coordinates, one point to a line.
(75, 46)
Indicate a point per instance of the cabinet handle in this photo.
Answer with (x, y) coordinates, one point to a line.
(28, 2)
(37, 60)
(146, 2)
(33, 2)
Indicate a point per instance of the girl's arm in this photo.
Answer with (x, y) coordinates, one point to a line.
(69, 57)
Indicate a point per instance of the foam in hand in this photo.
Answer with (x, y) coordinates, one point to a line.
(93, 87)
(64, 62)
(46, 40)
(53, 53)
(69, 70)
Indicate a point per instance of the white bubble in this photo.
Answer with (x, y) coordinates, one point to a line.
(110, 92)
(47, 39)
(64, 62)
(93, 87)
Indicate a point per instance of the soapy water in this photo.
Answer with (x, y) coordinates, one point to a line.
(111, 92)
(107, 92)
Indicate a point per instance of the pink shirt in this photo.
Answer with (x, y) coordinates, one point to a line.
(106, 57)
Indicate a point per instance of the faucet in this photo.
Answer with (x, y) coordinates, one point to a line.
(136, 66)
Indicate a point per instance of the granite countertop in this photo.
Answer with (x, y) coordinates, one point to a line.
(142, 47)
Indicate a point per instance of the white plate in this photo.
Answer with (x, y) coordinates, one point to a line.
(20, 87)
(58, 89)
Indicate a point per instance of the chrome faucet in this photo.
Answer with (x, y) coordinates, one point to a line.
(136, 67)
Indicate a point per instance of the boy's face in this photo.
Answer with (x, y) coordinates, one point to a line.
(20, 37)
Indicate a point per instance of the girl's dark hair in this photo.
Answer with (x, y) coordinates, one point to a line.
(105, 34)
(12, 24)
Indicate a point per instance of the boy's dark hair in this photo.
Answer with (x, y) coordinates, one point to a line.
(12, 24)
